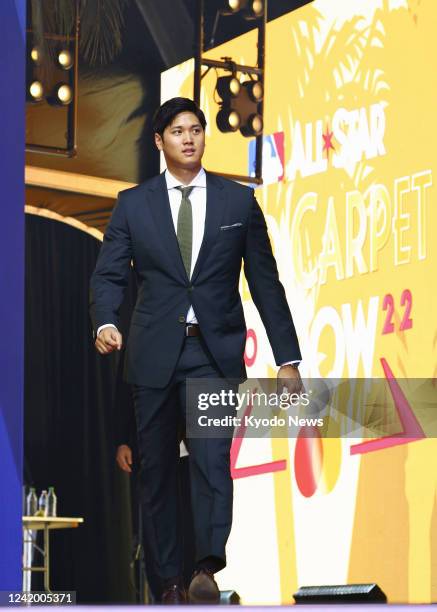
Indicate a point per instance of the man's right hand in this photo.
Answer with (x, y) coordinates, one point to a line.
(108, 340)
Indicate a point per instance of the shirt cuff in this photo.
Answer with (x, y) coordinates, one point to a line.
(294, 362)
(105, 325)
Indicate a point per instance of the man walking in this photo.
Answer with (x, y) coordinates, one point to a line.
(187, 232)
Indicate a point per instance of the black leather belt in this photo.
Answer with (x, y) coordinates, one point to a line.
(192, 329)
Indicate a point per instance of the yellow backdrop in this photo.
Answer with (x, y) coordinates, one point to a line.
(350, 152)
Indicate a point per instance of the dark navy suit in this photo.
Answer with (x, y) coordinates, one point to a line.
(159, 357)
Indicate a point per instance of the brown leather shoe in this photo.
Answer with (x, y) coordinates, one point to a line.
(203, 588)
(174, 595)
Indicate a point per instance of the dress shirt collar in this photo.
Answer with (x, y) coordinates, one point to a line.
(198, 181)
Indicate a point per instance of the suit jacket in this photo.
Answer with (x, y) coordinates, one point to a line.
(141, 230)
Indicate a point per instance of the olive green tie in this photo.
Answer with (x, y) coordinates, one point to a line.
(185, 228)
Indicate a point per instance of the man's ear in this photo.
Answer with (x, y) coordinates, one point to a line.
(158, 141)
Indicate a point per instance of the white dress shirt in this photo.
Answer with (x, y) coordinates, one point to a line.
(198, 207)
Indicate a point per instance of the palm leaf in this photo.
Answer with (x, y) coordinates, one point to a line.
(38, 24)
(101, 29)
(64, 16)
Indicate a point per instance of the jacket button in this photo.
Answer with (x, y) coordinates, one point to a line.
(190, 288)
(181, 319)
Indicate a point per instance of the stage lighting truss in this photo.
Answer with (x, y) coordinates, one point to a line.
(52, 79)
(240, 90)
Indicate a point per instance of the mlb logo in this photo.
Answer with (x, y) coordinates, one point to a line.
(273, 158)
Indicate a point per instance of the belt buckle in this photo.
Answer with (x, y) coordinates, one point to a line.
(190, 326)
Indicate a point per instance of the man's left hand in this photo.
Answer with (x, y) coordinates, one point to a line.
(289, 377)
(124, 458)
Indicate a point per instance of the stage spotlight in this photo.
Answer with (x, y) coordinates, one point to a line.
(228, 120)
(228, 87)
(231, 7)
(34, 54)
(35, 91)
(63, 94)
(253, 126)
(253, 9)
(254, 89)
(240, 108)
(65, 59)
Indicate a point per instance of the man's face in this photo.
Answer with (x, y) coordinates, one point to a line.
(183, 141)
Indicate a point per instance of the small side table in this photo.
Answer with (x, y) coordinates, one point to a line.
(46, 524)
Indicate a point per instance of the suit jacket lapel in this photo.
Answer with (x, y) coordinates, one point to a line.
(160, 207)
(215, 197)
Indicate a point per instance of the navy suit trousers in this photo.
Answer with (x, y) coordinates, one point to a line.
(160, 416)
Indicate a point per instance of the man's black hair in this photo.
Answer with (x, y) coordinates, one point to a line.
(168, 111)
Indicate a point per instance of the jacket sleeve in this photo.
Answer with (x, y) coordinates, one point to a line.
(110, 277)
(267, 291)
